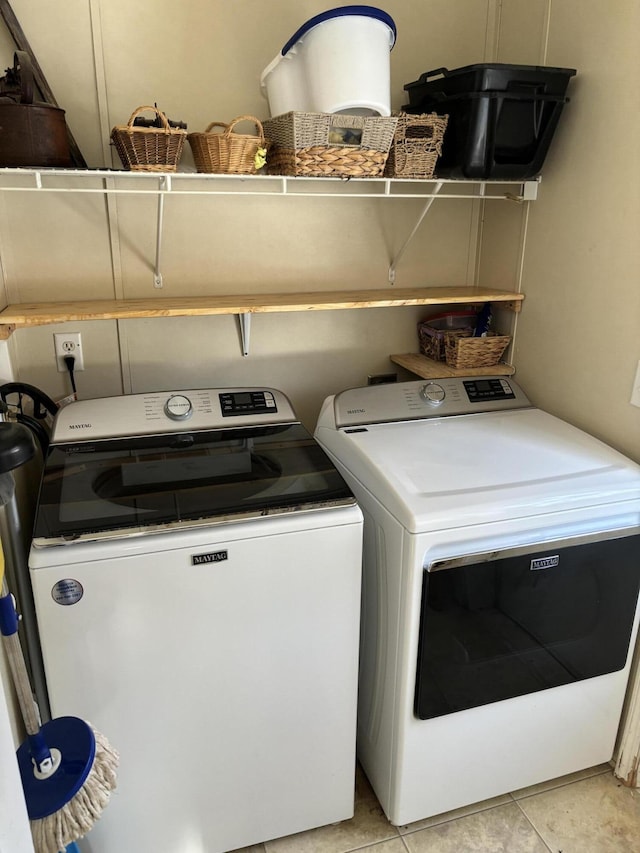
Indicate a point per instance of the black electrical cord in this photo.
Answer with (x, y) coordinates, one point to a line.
(38, 404)
(69, 360)
(42, 403)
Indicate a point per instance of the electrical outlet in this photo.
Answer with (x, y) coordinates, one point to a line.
(635, 394)
(68, 343)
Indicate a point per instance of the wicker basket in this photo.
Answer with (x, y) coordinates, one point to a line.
(318, 145)
(417, 144)
(228, 152)
(149, 149)
(462, 350)
(431, 332)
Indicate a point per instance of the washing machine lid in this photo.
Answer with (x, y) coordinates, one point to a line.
(217, 466)
(436, 473)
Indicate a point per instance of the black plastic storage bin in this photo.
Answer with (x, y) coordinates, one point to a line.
(490, 77)
(502, 118)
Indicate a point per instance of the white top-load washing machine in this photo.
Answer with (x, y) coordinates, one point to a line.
(196, 568)
(500, 589)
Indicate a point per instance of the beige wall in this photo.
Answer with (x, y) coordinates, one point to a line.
(578, 337)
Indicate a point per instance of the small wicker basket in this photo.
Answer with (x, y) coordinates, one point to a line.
(318, 145)
(417, 144)
(149, 149)
(431, 332)
(228, 152)
(463, 350)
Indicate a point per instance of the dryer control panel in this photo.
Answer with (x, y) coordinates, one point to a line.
(427, 399)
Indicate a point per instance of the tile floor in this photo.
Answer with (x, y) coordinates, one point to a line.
(586, 812)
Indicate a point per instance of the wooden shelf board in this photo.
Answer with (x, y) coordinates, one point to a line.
(43, 313)
(427, 368)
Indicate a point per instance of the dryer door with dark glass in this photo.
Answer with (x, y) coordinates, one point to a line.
(496, 627)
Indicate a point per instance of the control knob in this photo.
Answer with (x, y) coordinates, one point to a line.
(432, 393)
(178, 407)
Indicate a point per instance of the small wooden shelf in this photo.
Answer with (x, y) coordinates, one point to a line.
(24, 315)
(427, 368)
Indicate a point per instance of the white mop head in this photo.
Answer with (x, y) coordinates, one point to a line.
(52, 834)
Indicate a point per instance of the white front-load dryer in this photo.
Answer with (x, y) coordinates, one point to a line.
(500, 589)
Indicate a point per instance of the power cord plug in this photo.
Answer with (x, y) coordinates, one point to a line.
(69, 361)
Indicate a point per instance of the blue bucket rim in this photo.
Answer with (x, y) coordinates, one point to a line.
(340, 12)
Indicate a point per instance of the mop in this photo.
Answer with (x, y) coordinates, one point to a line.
(68, 769)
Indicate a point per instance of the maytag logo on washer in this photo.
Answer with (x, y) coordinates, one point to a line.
(67, 591)
(212, 557)
(544, 563)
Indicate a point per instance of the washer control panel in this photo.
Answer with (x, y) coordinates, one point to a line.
(235, 403)
(171, 411)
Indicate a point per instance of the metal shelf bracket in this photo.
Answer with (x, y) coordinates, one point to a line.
(164, 186)
(245, 332)
(401, 251)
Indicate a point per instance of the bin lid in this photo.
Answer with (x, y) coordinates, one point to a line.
(342, 11)
(479, 76)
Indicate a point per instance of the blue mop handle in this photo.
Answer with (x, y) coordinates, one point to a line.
(9, 630)
(8, 614)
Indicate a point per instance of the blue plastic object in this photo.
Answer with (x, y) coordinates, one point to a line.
(77, 744)
(72, 848)
(340, 12)
(483, 321)
(8, 616)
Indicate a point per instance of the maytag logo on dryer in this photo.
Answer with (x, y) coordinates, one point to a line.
(544, 562)
(212, 557)
(80, 426)
(355, 411)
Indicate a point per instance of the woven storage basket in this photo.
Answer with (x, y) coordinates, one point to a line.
(228, 152)
(318, 145)
(417, 144)
(431, 332)
(462, 350)
(149, 149)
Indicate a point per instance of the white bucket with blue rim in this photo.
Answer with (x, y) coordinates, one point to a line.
(337, 62)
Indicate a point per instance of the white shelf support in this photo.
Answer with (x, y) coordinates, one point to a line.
(245, 332)
(164, 186)
(401, 251)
